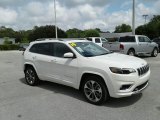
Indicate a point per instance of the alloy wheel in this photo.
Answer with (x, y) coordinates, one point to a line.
(93, 91)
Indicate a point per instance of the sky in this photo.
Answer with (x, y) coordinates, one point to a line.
(81, 14)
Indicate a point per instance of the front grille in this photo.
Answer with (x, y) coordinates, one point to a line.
(140, 86)
(143, 70)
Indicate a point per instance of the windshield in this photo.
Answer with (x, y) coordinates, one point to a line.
(89, 49)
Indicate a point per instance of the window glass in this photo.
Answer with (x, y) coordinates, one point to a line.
(43, 48)
(97, 40)
(60, 49)
(34, 48)
(89, 49)
(141, 39)
(147, 39)
(89, 39)
(127, 39)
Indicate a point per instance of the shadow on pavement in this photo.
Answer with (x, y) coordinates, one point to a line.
(61, 89)
(123, 102)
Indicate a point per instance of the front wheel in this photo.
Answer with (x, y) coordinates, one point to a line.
(94, 90)
(155, 52)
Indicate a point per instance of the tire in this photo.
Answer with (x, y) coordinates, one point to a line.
(95, 90)
(154, 52)
(131, 52)
(31, 76)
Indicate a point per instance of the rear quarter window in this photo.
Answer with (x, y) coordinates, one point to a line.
(127, 39)
(42, 48)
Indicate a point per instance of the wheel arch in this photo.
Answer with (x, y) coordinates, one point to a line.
(87, 74)
(29, 65)
(132, 48)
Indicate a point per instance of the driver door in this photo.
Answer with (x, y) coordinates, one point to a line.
(65, 69)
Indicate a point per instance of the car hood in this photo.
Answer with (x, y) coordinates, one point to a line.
(119, 60)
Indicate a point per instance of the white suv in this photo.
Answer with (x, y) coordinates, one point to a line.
(83, 65)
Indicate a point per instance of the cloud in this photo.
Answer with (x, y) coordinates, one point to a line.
(82, 14)
(7, 16)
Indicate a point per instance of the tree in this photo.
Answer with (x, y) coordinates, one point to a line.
(74, 33)
(123, 28)
(151, 29)
(47, 31)
(91, 33)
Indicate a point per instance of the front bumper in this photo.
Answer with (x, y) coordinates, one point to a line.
(136, 84)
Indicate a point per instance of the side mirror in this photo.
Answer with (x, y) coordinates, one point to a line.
(68, 55)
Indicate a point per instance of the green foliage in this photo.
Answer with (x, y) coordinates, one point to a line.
(46, 32)
(151, 29)
(91, 33)
(9, 47)
(123, 28)
(25, 40)
(74, 33)
(6, 32)
(6, 41)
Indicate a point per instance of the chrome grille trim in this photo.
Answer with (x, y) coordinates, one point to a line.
(143, 70)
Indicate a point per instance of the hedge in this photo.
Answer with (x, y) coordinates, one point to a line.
(9, 47)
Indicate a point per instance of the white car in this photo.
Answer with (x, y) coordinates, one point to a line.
(98, 40)
(83, 65)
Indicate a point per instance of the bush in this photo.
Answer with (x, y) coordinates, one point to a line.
(7, 42)
(9, 47)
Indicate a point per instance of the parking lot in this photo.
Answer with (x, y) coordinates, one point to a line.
(50, 101)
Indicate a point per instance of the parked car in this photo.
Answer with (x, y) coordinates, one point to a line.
(157, 40)
(83, 65)
(23, 46)
(98, 40)
(134, 45)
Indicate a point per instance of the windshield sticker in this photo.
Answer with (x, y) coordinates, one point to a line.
(73, 44)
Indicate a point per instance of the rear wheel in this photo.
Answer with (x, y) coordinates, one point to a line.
(155, 52)
(131, 52)
(31, 76)
(94, 90)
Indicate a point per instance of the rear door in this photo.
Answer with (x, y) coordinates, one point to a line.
(43, 58)
(150, 46)
(142, 45)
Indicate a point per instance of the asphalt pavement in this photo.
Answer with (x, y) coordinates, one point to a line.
(50, 101)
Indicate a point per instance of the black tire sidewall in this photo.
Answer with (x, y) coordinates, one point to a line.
(105, 94)
(131, 51)
(35, 74)
(153, 55)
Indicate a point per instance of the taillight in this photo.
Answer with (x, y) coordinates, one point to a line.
(121, 47)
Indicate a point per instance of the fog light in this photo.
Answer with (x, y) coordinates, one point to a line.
(125, 87)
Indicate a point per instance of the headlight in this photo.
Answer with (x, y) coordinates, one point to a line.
(122, 70)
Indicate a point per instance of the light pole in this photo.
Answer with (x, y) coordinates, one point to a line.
(55, 19)
(133, 18)
(145, 17)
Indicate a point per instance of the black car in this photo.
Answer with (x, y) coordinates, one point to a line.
(157, 40)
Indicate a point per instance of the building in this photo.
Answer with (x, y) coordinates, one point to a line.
(7, 38)
(114, 35)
